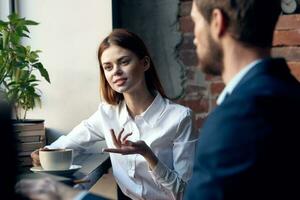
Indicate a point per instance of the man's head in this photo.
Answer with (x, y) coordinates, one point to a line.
(248, 22)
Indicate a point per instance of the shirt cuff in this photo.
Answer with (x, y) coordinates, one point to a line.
(81, 195)
(159, 171)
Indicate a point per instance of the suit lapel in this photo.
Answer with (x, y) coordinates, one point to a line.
(272, 66)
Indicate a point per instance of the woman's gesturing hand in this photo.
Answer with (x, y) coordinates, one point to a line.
(125, 147)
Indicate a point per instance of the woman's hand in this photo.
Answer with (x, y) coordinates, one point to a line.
(36, 157)
(125, 147)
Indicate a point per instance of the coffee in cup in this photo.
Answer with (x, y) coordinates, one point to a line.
(56, 159)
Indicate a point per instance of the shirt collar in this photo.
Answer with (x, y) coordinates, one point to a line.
(124, 116)
(234, 82)
(154, 111)
(150, 115)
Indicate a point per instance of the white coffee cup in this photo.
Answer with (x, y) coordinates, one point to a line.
(56, 159)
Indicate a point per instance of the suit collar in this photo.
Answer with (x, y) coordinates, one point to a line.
(235, 80)
(274, 66)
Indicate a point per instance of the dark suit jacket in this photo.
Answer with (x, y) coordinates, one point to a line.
(248, 147)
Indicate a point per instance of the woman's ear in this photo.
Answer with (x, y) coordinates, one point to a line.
(146, 63)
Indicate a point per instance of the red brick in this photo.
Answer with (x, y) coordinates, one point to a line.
(216, 88)
(186, 24)
(198, 106)
(190, 74)
(188, 57)
(286, 38)
(289, 53)
(295, 69)
(185, 8)
(212, 78)
(288, 22)
(195, 92)
(199, 121)
(187, 42)
(213, 103)
(193, 88)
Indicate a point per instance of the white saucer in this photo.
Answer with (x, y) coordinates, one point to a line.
(67, 172)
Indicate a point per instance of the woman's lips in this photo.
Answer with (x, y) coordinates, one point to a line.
(120, 82)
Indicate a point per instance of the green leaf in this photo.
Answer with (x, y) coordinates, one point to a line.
(15, 39)
(13, 17)
(3, 23)
(30, 22)
(33, 57)
(42, 71)
(4, 38)
(24, 35)
(26, 29)
(21, 52)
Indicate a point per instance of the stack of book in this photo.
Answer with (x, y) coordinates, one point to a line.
(30, 136)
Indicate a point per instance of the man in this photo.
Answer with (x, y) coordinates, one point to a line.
(248, 145)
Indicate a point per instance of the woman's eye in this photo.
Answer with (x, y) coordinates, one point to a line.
(125, 62)
(107, 67)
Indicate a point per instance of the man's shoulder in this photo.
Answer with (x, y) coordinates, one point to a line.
(270, 76)
(255, 110)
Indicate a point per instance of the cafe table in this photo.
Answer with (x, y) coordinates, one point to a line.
(93, 166)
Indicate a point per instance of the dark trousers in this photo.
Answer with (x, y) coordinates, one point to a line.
(121, 195)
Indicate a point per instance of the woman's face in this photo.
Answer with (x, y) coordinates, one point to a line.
(123, 70)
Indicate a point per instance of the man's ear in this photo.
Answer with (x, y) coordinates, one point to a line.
(146, 63)
(218, 24)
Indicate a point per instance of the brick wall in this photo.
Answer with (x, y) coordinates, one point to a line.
(201, 96)
(287, 41)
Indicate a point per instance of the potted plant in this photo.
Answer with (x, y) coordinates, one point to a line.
(19, 66)
(19, 71)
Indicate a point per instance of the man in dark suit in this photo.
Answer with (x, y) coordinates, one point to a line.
(248, 146)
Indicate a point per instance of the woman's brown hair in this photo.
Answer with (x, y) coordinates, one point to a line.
(130, 41)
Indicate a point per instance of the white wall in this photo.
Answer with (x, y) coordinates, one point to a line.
(68, 35)
(4, 9)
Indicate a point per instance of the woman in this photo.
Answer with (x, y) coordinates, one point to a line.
(151, 139)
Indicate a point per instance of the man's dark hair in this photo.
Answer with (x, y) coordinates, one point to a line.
(251, 22)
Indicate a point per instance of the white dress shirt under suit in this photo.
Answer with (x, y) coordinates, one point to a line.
(235, 81)
(166, 127)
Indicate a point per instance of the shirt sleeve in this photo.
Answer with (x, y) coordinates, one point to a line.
(82, 136)
(174, 181)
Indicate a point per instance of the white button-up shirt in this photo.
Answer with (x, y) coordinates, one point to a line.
(166, 127)
(235, 81)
